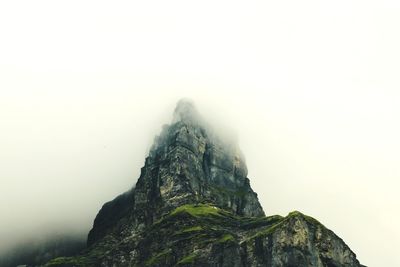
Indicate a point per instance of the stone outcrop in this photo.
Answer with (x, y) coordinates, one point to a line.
(193, 206)
(186, 164)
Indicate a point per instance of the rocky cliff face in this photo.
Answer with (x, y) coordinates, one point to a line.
(193, 206)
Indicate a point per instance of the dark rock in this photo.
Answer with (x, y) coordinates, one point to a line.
(193, 206)
(186, 164)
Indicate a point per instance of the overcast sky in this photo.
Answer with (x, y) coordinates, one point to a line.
(311, 88)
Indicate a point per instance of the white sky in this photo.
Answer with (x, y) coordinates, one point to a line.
(311, 87)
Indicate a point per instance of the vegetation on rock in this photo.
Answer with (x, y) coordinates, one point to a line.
(193, 206)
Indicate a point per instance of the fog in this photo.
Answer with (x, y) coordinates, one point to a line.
(311, 89)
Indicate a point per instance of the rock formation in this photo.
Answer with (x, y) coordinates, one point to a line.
(193, 206)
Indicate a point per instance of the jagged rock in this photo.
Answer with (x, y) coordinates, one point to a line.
(193, 206)
(186, 164)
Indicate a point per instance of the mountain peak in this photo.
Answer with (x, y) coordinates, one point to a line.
(187, 164)
(193, 206)
(186, 111)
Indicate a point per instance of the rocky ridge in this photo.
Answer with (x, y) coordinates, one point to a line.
(193, 206)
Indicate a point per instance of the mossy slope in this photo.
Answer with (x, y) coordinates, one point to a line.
(205, 235)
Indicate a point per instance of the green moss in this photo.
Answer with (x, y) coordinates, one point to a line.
(226, 238)
(199, 214)
(158, 257)
(192, 229)
(295, 213)
(187, 260)
(197, 210)
(308, 219)
(278, 221)
(269, 230)
(255, 222)
(73, 261)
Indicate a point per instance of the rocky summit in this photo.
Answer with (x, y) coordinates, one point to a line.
(193, 206)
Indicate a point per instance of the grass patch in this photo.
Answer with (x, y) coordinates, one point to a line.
(187, 260)
(197, 210)
(226, 238)
(158, 257)
(254, 222)
(74, 261)
(192, 229)
(278, 221)
(307, 218)
(267, 231)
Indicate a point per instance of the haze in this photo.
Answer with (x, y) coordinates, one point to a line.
(310, 87)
